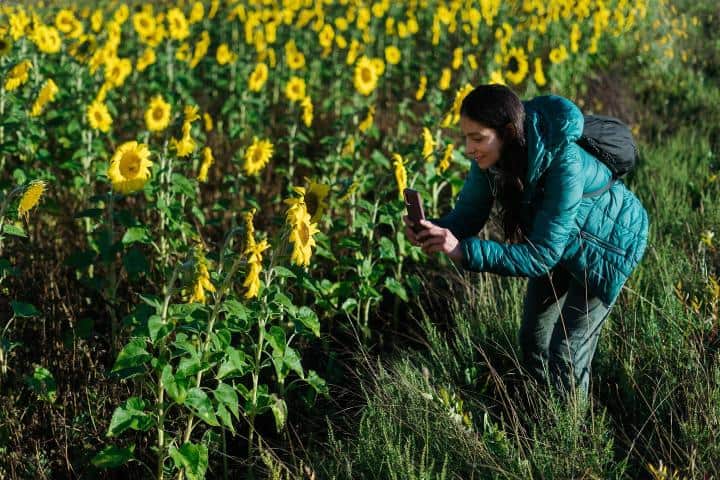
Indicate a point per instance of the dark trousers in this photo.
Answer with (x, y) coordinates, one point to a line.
(560, 330)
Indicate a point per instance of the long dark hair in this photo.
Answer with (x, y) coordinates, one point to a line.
(499, 108)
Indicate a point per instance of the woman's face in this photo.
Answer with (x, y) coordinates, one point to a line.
(482, 144)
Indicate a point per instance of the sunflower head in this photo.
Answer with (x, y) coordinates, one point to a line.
(130, 167)
(5, 45)
(316, 199)
(257, 156)
(157, 116)
(31, 197)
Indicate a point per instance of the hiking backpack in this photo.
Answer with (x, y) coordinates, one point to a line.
(610, 141)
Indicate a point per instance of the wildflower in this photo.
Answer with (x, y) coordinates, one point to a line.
(31, 197)
(224, 55)
(46, 95)
(400, 173)
(307, 107)
(295, 89)
(257, 156)
(18, 75)
(516, 65)
(366, 76)
(447, 156)
(368, 121)
(157, 116)
(130, 167)
(420, 93)
(99, 117)
(392, 55)
(206, 163)
(258, 77)
(202, 281)
(428, 145)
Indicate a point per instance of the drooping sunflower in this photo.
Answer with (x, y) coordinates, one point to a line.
(316, 199)
(302, 238)
(46, 95)
(99, 117)
(31, 197)
(539, 75)
(147, 58)
(208, 160)
(307, 107)
(516, 65)
(445, 78)
(447, 156)
(129, 167)
(428, 145)
(422, 88)
(258, 77)
(400, 173)
(257, 156)
(18, 75)
(202, 282)
(295, 89)
(366, 77)
(157, 116)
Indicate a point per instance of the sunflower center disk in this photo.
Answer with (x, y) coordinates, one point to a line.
(129, 165)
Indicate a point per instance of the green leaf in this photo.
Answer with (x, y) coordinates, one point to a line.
(21, 309)
(113, 456)
(130, 415)
(279, 410)
(189, 366)
(234, 364)
(387, 248)
(136, 234)
(43, 384)
(175, 387)
(201, 405)
(292, 360)
(276, 339)
(316, 382)
(14, 230)
(227, 395)
(283, 272)
(309, 320)
(157, 328)
(224, 415)
(135, 262)
(396, 287)
(192, 458)
(131, 359)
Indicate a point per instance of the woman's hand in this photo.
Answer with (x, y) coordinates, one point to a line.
(433, 238)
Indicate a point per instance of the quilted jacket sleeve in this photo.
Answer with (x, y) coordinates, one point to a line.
(553, 225)
(472, 207)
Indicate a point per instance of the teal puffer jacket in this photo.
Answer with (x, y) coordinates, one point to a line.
(599, 239)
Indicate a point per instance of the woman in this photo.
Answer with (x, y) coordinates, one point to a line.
(577, 249)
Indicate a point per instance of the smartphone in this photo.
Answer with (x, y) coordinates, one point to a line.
(413, 203)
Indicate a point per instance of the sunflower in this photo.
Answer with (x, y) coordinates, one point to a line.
(428, 145)
(197, 12)
(447, 156)
(559, 54)
(46, 95)
(445, 78)
(83, 48)
(366, 76)
(301, 235)
(202, 281)
(224, 55)
(6, 45)
(295, 59)
(99, 117)
(208, 121)
(539, 76)
(368, 121)
(422, 88)
(65, 21)
(295, 89)
(117, 70)
(392, 55)
(258, 77)
(47, 39)
(130, 167)
(307, 107)
(157, 116)
(201, 49)
(400, 173)
(254, 252)
(206, 163)
(496, 77)
(31, 197)
(144, 23)
(516, 65)
(146, 59)
(18, 75)
(316, 199)
(178, 24)
(257, 156)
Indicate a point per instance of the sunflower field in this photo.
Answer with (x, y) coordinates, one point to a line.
(203, 270)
